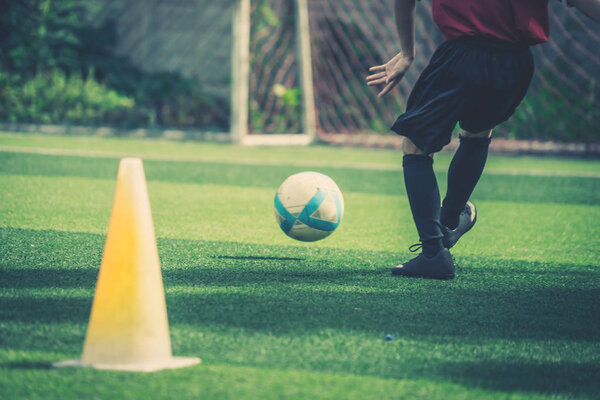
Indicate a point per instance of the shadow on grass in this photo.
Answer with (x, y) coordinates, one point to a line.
(27, 365)
(288, 294)
(567, 378)
(200, 275)
(418, 309)
(302, 289)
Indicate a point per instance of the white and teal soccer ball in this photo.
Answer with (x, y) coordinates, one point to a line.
(308, 206)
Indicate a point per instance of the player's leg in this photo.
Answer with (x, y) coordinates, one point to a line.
(464, 173)
(423, 196)
(433, 109)
(486, 134)
(408, 147)
(458, 214)
(497, 93)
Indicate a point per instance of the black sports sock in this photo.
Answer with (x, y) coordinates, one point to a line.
(464, 173)
(424, 198)
(432, 247)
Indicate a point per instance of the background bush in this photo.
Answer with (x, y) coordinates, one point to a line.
(53, 96)
(56, 67)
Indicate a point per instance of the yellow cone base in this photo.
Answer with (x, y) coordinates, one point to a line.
(172, 363)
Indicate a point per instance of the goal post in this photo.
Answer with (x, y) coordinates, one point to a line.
(240, 71)
(240, 82)
(306, 76)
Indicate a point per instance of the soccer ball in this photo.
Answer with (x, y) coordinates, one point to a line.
(308, 206)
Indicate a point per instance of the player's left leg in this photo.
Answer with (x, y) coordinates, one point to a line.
(423, 196)
(458, 215)
(424, 199)
(486, 134)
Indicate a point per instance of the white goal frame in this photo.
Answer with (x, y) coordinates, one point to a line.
(240, 73)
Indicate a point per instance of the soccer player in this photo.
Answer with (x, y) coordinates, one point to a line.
(477, 77)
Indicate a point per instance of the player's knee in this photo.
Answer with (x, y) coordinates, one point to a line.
(475, 135)
(409, 148)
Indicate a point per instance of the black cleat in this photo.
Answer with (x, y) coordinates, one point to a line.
(466, 220)
(441, 266)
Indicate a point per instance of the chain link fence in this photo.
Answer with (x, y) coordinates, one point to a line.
(347, 37)
(189, 37)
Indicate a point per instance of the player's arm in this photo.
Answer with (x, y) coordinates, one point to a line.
(591, 8)
(405, 26)
(392, 72)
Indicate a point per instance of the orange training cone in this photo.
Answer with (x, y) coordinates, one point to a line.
(128, 328)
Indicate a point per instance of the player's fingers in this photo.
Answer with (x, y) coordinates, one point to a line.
(387, 88)
(397, 75)
(377, 68)
(376, 76)
(377, 81)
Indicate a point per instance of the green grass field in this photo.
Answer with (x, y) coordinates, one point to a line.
(273, 318)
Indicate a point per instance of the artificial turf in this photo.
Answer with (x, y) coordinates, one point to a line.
(275, 318)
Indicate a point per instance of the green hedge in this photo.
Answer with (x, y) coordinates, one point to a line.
(56, 67)
(53, 97)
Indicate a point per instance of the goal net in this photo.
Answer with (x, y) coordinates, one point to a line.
(348, 36)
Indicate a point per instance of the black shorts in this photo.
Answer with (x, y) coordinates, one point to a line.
(476, 82)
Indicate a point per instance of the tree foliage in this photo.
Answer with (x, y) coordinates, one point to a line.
(45, 41)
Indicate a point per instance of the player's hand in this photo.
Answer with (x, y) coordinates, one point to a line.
(390, 73)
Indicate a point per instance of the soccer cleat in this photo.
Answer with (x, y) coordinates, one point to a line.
(441, 266)
(466, 220)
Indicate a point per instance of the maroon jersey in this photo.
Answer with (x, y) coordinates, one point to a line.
(518, 21)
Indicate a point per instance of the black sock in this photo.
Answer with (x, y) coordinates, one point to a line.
(464, 173)
(432, 247)
(424, 198)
